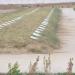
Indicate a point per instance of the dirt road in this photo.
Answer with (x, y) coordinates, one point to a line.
(58, 60)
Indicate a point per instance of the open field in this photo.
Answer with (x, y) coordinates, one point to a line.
(11, 15)
(59, 60)
(15, 38)
(17, 27)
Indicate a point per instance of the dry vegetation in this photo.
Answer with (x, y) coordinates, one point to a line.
(15, 38)
(15, 70)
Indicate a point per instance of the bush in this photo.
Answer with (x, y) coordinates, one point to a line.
(14, 70)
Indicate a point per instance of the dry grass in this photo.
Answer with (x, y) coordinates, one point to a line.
(11, 15)
(33, 67)
(47, 64)
(49, 38)
(16, 37)
(18, 34)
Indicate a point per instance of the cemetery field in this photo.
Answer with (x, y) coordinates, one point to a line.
(16, 29)
(6, 15)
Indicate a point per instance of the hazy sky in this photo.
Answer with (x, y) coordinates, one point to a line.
(32, 1)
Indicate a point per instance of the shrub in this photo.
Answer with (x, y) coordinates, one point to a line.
(14, 70)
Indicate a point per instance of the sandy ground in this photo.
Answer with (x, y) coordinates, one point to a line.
(58, 60)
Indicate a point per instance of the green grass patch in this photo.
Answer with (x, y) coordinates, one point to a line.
(50, 34)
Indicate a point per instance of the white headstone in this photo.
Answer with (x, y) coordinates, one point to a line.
(32, 37)
(18, 18)
(13, 20)
(4, 24)
(44, 23)
(42, 27)
(10, 21)
(36, 34)
(46, 19)
(38, 31)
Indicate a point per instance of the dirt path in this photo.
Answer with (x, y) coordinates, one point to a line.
(58, 60)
